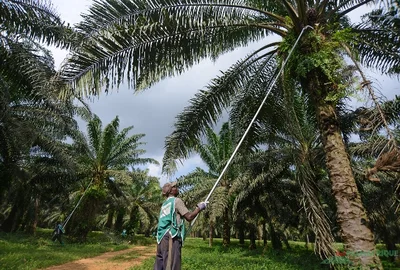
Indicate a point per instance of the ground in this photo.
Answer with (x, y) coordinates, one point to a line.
(117, 260)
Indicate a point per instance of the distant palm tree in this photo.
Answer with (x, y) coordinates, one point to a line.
(137, 207)
(266, 192)
(381, 195)
(215, 152)
(144, 203)
(104, 157)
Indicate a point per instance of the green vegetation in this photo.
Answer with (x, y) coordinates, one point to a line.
(22, 251)
(311, 168)
(196, 255)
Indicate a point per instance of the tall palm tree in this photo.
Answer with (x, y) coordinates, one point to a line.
(33, 122)
(31, 114)
(28, 99)
(150, 40)
(104, 157)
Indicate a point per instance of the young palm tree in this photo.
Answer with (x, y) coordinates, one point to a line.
(104, 157)
(149, 40)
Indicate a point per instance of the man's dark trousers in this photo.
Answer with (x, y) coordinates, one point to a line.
(162, 253)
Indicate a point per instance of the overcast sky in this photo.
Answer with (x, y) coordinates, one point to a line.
(153, 112)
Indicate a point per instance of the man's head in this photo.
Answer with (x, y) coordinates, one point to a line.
(170, 189)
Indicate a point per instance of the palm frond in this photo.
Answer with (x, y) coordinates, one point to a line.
(369, 148)
(94, 128)
(148, 41)
(344, 7)
(378, 40)
(206, 108)
(245, 103)
(35, 20)
(315, 212)
(108, 140)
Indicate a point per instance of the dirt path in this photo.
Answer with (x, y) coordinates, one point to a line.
(116, 260)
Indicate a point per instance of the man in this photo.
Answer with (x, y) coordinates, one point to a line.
(171, 230)
(57, 233)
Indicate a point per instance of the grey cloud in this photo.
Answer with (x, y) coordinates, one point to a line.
(153, 111)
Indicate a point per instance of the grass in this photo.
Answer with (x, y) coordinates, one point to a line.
(20, 251)
(24, 252)
(196, 255)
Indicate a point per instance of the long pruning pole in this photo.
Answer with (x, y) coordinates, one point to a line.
(76, 206)
(254, 118)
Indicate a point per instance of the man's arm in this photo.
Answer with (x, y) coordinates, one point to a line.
(189, 216)
(184, 212)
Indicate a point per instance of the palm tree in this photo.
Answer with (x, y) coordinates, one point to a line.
(104, 157)
(33, 122)
(381, 194)
(27, 98)
(147, 41)
(265, 192)
(215, 152)
(289, 134)
(140, 208)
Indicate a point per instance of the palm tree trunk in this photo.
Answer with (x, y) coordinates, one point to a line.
(252, 236)
(13, 220)
(307, 241)
(203, 234)
(264, 233)
(119, 220)
(286, 241)
(351, 214)
(276, 242)
(32, 224)
(110, 219)
(211, 233)
(390, 244)
(240, 230)
(227, 229)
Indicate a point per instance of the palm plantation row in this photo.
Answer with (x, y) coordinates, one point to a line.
(298, 175)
